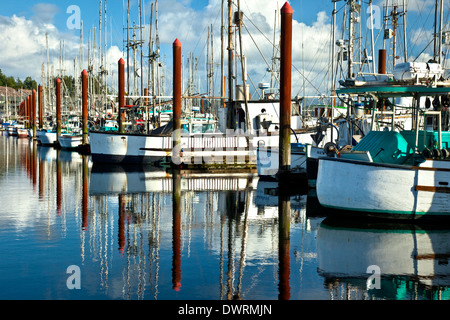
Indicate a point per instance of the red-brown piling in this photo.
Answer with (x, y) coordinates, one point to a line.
(33, 113)
(382, 61)
(121, 93)
(27, 111)
(58, 108)
(41, 106)
(84, 111)
(285, 90)
(176, 99)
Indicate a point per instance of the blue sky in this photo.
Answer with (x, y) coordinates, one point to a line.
(25, 23)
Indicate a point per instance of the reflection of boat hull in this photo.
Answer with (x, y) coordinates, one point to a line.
(385, 190)
(115, 179)
(346, 249)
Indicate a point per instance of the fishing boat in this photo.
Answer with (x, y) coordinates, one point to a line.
(73, 138)
(199, 138)
(70, 141)
(22, 132)
(46, 137)
(393, 174)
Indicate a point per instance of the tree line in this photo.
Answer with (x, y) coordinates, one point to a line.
(10, 82)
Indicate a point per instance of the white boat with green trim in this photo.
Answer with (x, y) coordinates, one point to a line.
(392, 174)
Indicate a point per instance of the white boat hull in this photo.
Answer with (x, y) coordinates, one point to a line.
(46, 138)
(70, 141)
(385, 190)
(196, 149)
(268, 162)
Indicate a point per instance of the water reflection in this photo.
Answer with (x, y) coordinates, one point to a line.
(151, 233)
(413, 259)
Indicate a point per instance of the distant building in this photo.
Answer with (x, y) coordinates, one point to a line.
(10, 100)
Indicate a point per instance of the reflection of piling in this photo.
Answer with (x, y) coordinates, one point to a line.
(58, 183)
(176, 99)
(33, 113)
(121, 93)
(284, 214)
(176, 218)
(84, 111)
(58, 109)
(41, 179)
(41, 106)
(121, 223)
(34, 162)
(285, 90)
(85, 193)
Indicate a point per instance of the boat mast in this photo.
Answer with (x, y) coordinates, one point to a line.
(230, 53)
(243, 65)
(350, 39)
(222, 73)
(441, 15)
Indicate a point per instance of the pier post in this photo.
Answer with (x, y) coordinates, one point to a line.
(176, 138)
(27, 111)
(121, 93)
(58, 109)
(382, 61)
(146, 103)
(285, 91)
(84, 111)
(33, 113)
(41, 106)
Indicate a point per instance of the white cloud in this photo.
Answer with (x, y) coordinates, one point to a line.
(44, 12)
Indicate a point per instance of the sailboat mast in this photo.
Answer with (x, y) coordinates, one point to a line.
(441, 15)
(222, 73)
(230, 52)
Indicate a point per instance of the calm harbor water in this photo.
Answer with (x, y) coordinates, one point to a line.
(133, 234)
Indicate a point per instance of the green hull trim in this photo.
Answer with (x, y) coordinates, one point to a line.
(392, 213)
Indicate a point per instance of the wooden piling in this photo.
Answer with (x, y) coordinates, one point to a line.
(27, 111)
(382, 61)
(58, 109)
(176, 101)
(121, 93)
(41, 106)
(285, 91)
(33, 113)
(84, 111)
